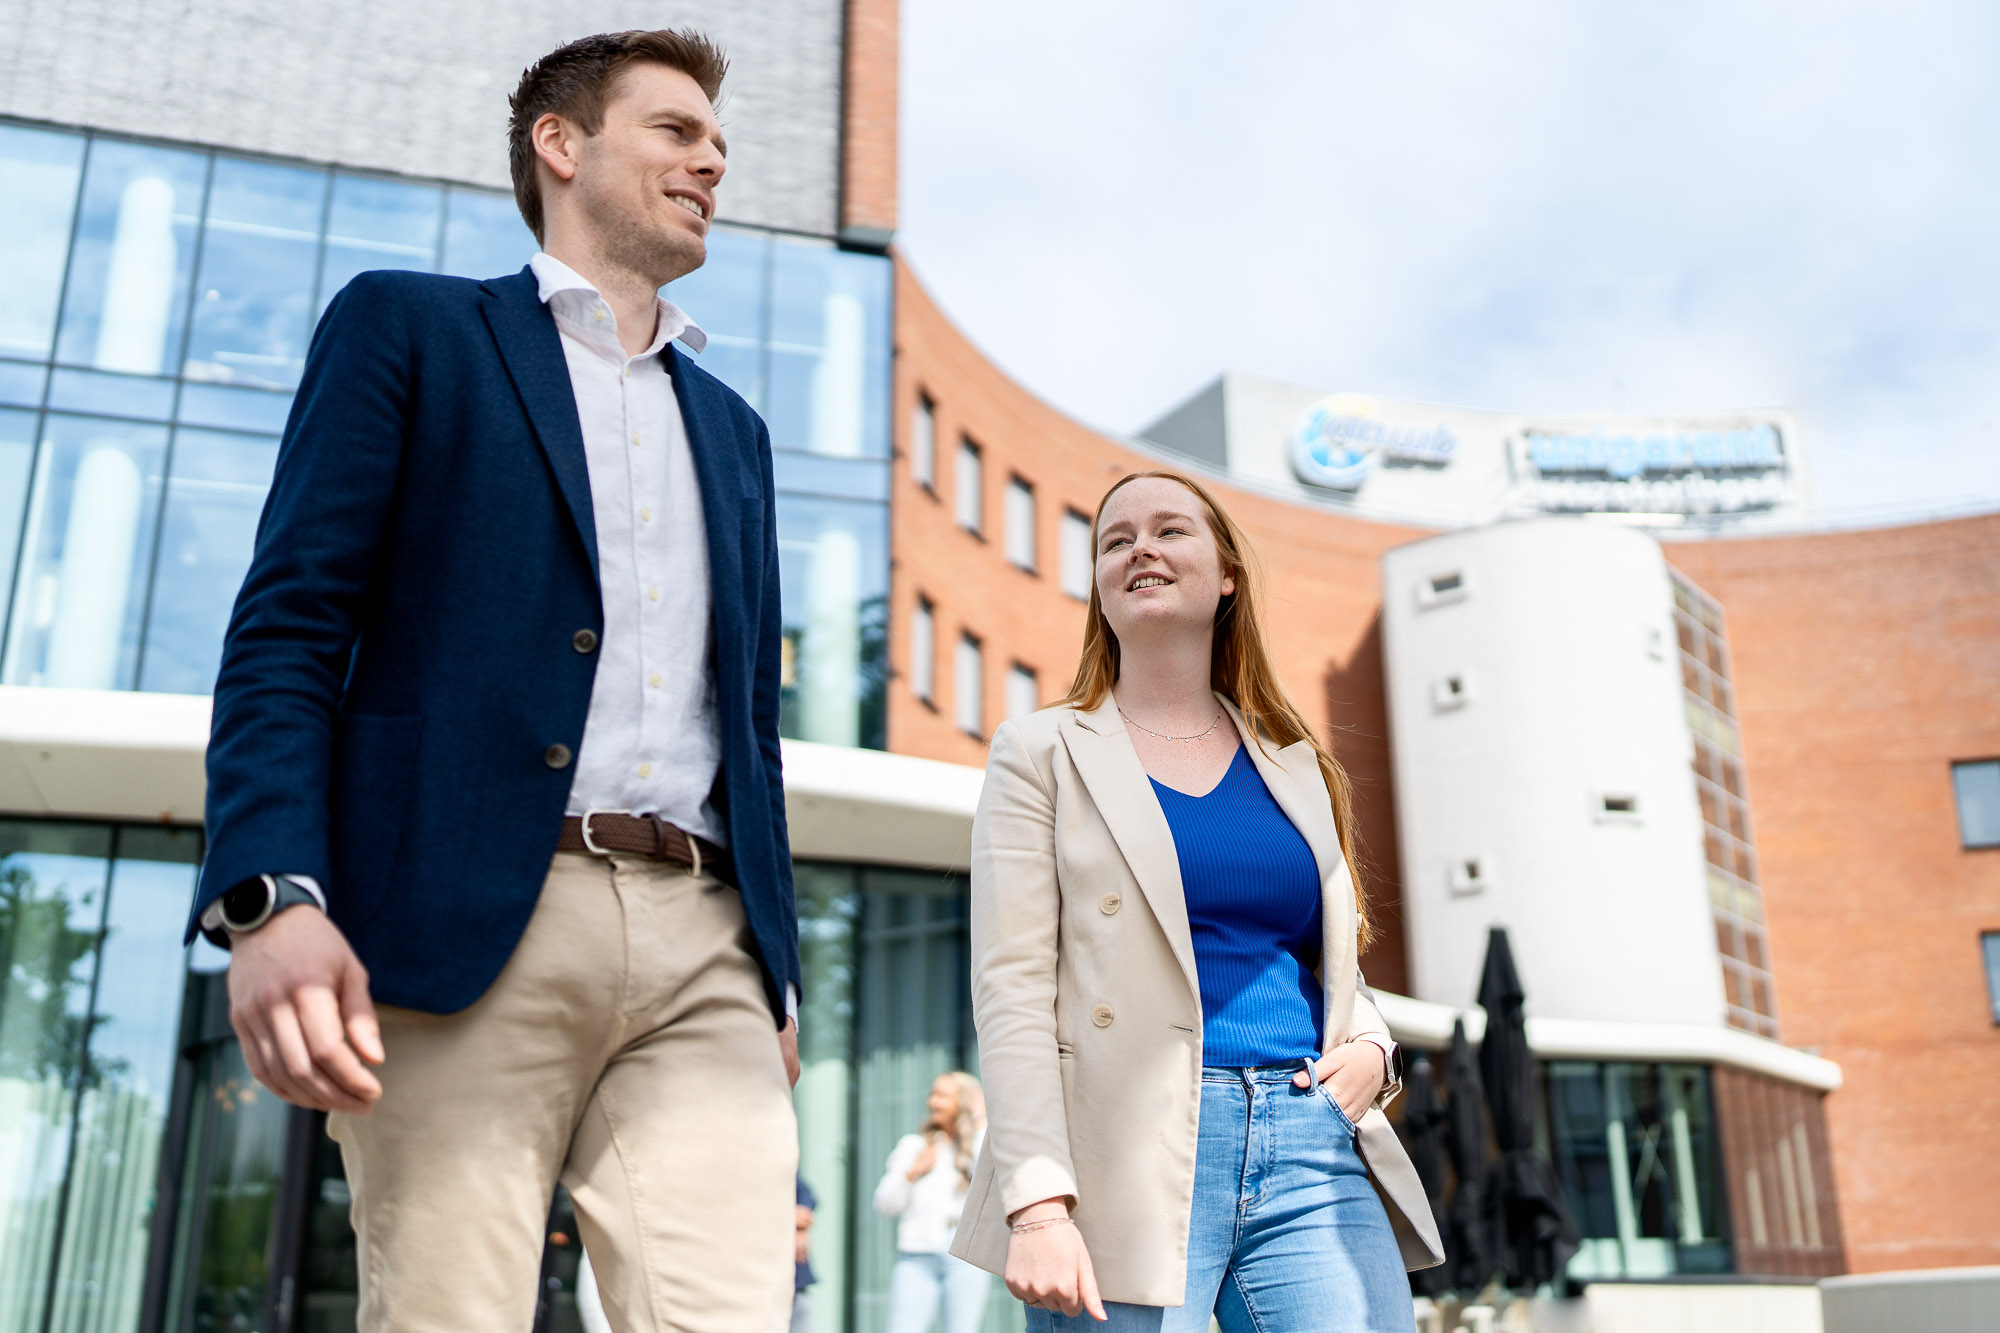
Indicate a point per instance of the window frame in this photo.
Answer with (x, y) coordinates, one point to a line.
(1018, 529)
(1959, 802)
(923, 442)
(968, 487)
(968, 706)
(1074, 520)
(923, 651)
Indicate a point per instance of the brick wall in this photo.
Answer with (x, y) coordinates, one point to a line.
(1865, 663)
(868, 113)
(1323, 581)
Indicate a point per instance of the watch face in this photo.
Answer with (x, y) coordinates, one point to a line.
(246, 902)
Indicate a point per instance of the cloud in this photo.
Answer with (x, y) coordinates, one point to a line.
(1549, 205)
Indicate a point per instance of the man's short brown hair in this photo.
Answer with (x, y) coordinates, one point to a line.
(576, 81)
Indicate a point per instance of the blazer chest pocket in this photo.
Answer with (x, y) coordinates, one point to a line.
(374, 779)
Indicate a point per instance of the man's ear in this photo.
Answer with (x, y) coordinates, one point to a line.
(554, 140)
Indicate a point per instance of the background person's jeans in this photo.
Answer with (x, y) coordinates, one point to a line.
(918, 1280)
(1287, 1234)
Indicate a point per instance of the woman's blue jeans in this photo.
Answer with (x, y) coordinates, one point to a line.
(920, 1283)
(1287, 1236)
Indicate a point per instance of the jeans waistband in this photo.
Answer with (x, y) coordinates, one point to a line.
(1257, 1074)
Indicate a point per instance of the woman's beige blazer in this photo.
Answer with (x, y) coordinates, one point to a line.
(1089, 1010)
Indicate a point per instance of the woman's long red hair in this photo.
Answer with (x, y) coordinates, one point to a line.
(1241, 668)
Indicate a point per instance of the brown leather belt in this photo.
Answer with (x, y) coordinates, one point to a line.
(613, 831)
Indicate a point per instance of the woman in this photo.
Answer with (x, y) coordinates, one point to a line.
(924, 1189)
(1186, 1070)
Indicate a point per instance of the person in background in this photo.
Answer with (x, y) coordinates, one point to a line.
(924, 1189)
(802, 1310)
(1188, 1072)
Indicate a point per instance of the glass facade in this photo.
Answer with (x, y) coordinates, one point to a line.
(1639, 1154)
(1730, 846)
(156, 304)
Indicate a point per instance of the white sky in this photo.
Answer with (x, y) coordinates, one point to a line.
(1557, 205)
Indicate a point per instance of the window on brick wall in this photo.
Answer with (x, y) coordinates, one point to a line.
(1077, 562)
(1024, 693)
(1020, 515)
(923, 442)
(968, 685)
(967, 500)
(1977, 785)
(1989, 948)
(923, 650)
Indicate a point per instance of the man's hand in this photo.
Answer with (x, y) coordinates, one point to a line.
(802, 1245)
(1049, 1268)
(788, 1043)
(298, 999)
(1355, 1072)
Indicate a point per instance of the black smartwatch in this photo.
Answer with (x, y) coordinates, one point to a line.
(250, 904)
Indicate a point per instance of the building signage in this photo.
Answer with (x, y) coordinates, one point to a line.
(1667, 471)
(1341, 440)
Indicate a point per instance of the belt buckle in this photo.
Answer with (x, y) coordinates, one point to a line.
(588, 845)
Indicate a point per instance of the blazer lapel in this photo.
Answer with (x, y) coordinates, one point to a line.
(718, 469)
(1123, 794)
(532, 350)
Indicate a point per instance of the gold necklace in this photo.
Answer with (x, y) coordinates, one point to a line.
(1184, 740)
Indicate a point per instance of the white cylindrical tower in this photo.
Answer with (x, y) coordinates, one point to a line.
(1541, 750)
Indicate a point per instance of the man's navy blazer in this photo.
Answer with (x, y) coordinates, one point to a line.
(404, 661)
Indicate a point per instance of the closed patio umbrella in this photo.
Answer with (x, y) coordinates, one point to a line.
(1532, 1233)
(1424, 1120)
(1466, 1257)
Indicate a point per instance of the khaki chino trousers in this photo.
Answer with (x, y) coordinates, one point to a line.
(628, 1050)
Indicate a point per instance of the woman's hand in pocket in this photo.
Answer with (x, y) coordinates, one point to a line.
(1048, 1267)
(1354, 1072)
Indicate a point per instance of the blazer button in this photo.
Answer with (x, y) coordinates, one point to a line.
(1102, 1015)
(584, 640)
(556, 756)
(1110, 903)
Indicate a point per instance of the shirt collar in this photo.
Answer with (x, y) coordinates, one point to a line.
(572, 298)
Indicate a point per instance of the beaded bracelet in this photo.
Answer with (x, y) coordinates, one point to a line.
(1019, 1227)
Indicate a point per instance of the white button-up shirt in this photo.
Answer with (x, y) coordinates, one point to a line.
(650, 741)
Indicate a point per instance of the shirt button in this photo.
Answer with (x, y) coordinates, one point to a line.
(654, 680)
(645, 770)
(584, 641)
(1102, 1015)
(652, 594)
(1109, 903)
(556, 756)
(645, 516)
(635, 437)
(598, 314)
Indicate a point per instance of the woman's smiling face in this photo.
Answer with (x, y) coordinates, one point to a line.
(1157, 561)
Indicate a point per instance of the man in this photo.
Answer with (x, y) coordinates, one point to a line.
(496, 747)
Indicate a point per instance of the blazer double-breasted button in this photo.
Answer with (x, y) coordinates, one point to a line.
(1110, 903)
(584, 640)
(556, 756)
(1102, 1015)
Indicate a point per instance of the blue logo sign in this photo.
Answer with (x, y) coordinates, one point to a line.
(1337, 450)
(1747, 448)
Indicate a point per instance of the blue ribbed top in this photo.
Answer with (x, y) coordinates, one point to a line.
(1252, 891)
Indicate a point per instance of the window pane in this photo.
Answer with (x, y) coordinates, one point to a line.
(1023, 694)
(923, 442)
(134, 252)
(923, 650)
(1077, 565)
(833, 563)
(1978, 788)
(829, 351)
(966, 501)
(484, 236)
(1989, 943)
(51, 909)
(253, 304)
(726, 296)
(41, 169)
(1020, 524)
(373, 223)
(133, 1035)
(85, 553)
(214, 498)
(17, 458)
(968, 683)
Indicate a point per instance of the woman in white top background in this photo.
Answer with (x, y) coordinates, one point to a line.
(924, 1189)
